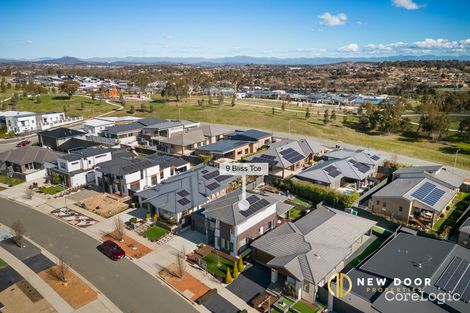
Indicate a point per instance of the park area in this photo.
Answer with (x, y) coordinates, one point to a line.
(78, 105)
(245, 114)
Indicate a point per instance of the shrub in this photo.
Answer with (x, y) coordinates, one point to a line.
(235, 270)
(241, 266)
(228, 277)
(317, 193)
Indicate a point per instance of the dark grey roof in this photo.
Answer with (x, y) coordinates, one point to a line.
(151, 121)
(437, 173)
(117, 129)
(61, 132)
(223, 146)
(195, 182)
(412, 256)
(122, 166)
(166, 161)
(360, 155)
(314, 245)
(185, 139)
(29, 154)
(250, 135)
(76, 144)
(226, 208)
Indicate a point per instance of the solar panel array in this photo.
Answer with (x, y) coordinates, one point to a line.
(221, 178)
(456, 278)
(256, 204)
(264, 158)
(183, 201)
(332, 171)
(428, 193)
(213, 186)
(363, 168)
(291, 155)
(182, 193)
(211, 175)
(375, 157)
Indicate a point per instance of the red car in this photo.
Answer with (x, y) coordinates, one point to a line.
(111, 250)
(23, 143)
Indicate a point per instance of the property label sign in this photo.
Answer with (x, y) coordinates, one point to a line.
(244, 169)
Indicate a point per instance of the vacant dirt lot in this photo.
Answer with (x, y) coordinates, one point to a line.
(16, 301)
(104, 205)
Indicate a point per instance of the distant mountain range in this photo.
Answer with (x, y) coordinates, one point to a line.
(236, 60)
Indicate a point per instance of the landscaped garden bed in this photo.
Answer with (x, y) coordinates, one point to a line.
(51, 190)
(10, 181)
(217, 265)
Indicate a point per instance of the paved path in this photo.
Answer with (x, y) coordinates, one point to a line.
(124, 283)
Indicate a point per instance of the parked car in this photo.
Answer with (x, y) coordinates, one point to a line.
(111, 250)
(23, 143)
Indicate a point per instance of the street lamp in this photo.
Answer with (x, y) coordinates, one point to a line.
(455, 160)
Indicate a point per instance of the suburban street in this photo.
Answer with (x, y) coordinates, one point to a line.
(124, 283)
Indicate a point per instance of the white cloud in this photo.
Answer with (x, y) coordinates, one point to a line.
(352, 47)
(406, 4)
(426, 46)
(333, 20)
(359, 23)
(440, 43)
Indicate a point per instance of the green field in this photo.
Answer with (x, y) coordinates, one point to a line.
(57, 102)
(262, 118)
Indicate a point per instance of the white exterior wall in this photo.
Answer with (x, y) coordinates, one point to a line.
(21, 124)
(253, 220)
(144, 182)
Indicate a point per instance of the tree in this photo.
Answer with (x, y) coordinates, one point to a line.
(143, 107)
(326, 117)
(333, 115)
(93, 95)
(122, 101)
(233, 100)
(211, 102)
(28, 193)
(151, 108)
(464, 128)
(119, 229)
(14, 99)
(56, 180)
(82, 106)
(69, 87)
(3, 86)
(132, 110)
(220, 99)
(18, 233)
(283, 106)
(307, 113)
(176, 87)
(345, 119)
(228, 277)
(274, 110)
(241, 266)
(65, 108)
(235, 270)
(38, 99)
(60, 271)
(180, 265)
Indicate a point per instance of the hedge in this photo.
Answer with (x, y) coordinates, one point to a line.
(317, 193)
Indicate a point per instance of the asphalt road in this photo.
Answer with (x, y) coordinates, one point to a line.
(124, 283)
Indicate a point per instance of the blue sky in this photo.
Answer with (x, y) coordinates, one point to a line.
(179, 28)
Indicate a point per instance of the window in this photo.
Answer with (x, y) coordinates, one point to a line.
(74, 163)
(260, 231)
(401, 209)
(378, 202)
(154, 180)
(384, 204)
(306, 287)
(161, 175)
(270, 225)
(100, 156)
(135, 186)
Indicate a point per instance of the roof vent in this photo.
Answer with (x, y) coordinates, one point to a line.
(317, 256)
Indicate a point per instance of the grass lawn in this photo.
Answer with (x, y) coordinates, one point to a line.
(373, 246)
(283, 303)
(218, 270)
(2, 264)
(303, 307)
(154, 233)
(458, 206)
(262, 118)
(10, 181)
(302, 202)
(56, 102)
(295, 214)
(51, 190)
(380, 230)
